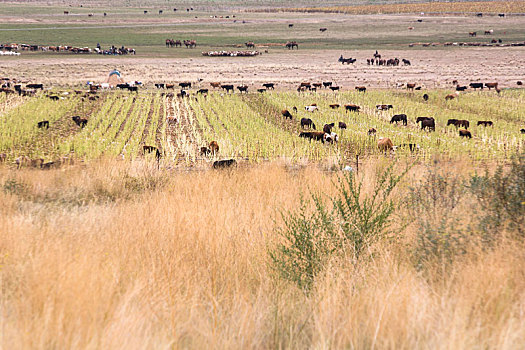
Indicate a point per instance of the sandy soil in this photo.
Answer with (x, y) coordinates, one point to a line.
(431, 68)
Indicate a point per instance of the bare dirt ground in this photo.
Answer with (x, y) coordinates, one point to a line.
(431, 68)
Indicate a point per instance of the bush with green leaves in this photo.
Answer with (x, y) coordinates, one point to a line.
(434, 205)
(356, 220)
(502, 200)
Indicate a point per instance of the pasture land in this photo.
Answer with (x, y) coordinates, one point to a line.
(250, 126)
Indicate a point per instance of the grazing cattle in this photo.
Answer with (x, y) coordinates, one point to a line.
(522, 131)
(489, 32)
(342, 125)
(410, 86)
(227, 87)
(202, 91)
(360, 88)
(261, 90)
(205, 151)
(133, 89)
(54, 98)
(501, 14)
(313, 135)
(294, 109)
(291, 44)
(66, 12)
(215, 85)
(405, 62)
(347, 60)
(226, 163)
(519, 83)
(450, 97)
(323, 29)
(330, 137)
(425, 97)
(185, 85)
(458, 123)
(427, 123)
(243, 88)
(334, 88)
(285, 113)
(311, 108)
(307, 122)
(214, 147)
(82, 122)
(290, 25)
(465, 133)
(317, 85)
(399, 118)
(182, 94)
(485, 123)
(159, 86)
(384, 107)
(269, 85)
(35, 86)
(385, 144)
(476, 86)
(371, 131)
(250, 45)
(327, 84)
(352, 108)
(327, 128)
(461, 88)
(43, 124)
(170, 86)
(334, 106)
(491, 85)
(190, 43)
(412, 146)
(472, 33)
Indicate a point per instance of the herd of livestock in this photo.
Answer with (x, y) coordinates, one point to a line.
(112, 50)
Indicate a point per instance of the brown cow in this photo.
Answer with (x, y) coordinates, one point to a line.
(214, 147)
(385, 144)
(360, 88)
(450, 97)
(352, 108)
(313, 135)
(286, 114)
(327, 128)
(215, 85)
(410, 86)
(342, 125)
(465, 133)
(491, 85)
(485, 123)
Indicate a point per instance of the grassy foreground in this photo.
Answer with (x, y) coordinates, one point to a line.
(117, 255)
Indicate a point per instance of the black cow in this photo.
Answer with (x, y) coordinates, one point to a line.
(82, 122)
(43, 124)
(185, 85)
(342, 125)
(476, 86)
(35, 86)
(307, 122)
(269, 85)
(226, 163)
(399, 118)
(227, 87)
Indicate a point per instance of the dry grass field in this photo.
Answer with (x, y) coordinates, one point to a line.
(121, 256)
(298, 246)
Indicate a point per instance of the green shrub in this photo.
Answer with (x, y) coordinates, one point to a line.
(310, 238)
(502, 200)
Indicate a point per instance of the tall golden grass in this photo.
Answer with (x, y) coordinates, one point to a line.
(115, 255)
